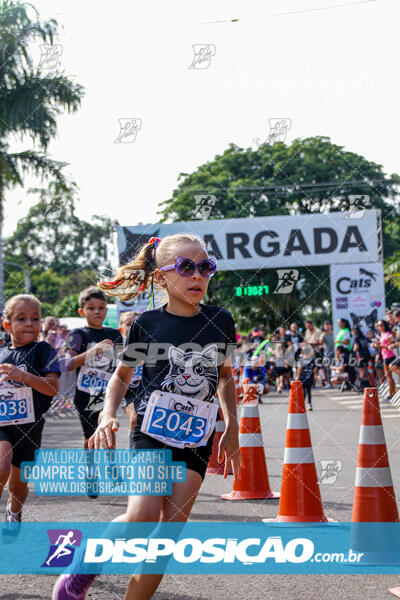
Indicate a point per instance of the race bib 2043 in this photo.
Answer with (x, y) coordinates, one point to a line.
(179, 421)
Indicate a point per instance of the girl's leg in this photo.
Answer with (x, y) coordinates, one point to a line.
(380, 375)
(309, 388)
(394, 369)
(5, 463)
(175, 508)
(307, 391)
(18, 490)
(142, 509)
(390, 380)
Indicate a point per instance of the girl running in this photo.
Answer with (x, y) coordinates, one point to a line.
(125, 321)
(29, 375)
(183, 338)
(386, 339)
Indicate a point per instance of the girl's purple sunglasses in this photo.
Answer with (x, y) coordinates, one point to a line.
(186, 266)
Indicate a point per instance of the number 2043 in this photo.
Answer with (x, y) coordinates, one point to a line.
(171, 421)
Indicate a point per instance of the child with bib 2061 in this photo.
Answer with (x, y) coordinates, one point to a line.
(29, 375)
(91, 351)
(187, 361)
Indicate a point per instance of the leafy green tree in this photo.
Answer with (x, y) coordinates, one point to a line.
(67, 307)
(52, 236)
(30, 102)
(14, 282)
(310, 175)
(46, 285)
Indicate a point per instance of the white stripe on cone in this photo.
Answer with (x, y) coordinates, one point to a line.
(297, 421)
(298, 456)
(250, 440)
(220, 426)
(372, 434)
(249, 411)
(373, 477)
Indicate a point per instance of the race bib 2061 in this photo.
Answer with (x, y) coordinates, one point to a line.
(93, 381)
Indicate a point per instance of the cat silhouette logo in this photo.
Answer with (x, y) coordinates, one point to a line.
(185, 407)
(63, 543)
(365, 322)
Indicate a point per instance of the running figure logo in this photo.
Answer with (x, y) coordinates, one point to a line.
(203, 54)
(357, 205)
(50, 56)
(128, 129)
(329, 471)
(63, 543)
(287, 280)
(204, 205)
(278, 129)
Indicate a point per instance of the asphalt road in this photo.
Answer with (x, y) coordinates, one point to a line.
(334, 426)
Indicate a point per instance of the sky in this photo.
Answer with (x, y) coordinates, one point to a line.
(331, 71)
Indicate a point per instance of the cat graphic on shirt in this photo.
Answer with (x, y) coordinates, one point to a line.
(193, 374)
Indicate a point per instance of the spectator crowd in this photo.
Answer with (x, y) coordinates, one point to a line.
(352, 359)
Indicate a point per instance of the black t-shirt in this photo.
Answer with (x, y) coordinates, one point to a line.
(38, 358)
(296, 339)
(82, 339)
(307, 371)
(363, 349)
(190, 352)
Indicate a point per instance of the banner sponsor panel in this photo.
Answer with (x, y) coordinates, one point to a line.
(358, 294)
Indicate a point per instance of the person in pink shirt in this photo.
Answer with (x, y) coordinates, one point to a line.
(386, 339)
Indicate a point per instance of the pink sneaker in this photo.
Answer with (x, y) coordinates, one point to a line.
(72, 587)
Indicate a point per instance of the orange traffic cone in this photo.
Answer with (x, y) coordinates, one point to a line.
(374, 498)
(300, 494)
(395, 591)
(253, 481)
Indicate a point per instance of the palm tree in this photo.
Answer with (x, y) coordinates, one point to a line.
(30, 101)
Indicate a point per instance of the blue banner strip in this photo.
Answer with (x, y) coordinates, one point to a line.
(200, 548)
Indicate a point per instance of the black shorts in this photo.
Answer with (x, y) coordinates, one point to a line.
(88, 421)
(24, 439)
(392, 359)
(307, 383)
(281, 371)
(363, 362)
(196, 459)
